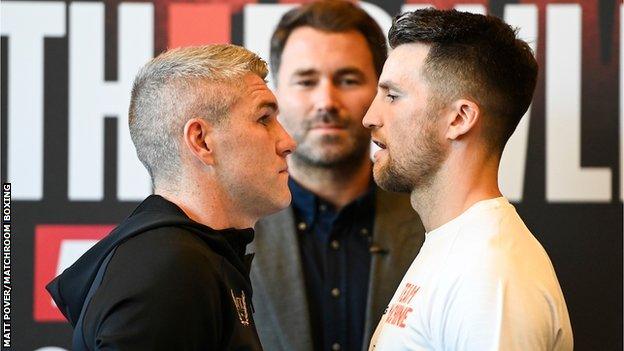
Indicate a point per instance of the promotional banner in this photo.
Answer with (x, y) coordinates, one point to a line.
(70, 172)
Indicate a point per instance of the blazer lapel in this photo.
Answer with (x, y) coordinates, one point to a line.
(279, 279)
(398, 235)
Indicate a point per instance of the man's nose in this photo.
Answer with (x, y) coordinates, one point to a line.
(326, 97)
(286, 144)
(372, 118)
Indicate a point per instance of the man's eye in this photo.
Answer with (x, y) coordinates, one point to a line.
(349, 82)
(390, 97)
(306, 83)
(265, 119)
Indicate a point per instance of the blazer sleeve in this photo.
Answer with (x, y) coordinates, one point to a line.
(158, 293)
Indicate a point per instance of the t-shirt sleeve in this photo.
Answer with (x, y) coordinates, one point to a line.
(158, 293)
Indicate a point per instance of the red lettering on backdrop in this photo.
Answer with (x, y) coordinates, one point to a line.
(163, 37)
(48, 240)
(193, 24)
(301, 1)
(448, 4)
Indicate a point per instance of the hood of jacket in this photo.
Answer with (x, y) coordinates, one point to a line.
(70, 288)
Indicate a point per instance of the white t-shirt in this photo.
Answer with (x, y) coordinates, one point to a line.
(480, 282)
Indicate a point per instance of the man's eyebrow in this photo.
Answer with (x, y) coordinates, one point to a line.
(268, 104)
(350, 70)
(389, 85)
(305, 72)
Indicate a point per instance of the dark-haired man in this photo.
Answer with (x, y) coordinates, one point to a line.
(326, 267)
(451, 93)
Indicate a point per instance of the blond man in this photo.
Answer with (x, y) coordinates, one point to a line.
(174, 275)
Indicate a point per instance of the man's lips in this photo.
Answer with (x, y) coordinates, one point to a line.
(327, 126)
(380, 144)
(284, 170)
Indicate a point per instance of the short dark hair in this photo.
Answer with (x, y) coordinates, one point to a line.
(329, 16)
(474, 56)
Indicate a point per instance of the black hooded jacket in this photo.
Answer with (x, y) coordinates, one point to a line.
(165, 283)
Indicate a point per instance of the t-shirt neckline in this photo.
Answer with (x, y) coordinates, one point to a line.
(477, 206)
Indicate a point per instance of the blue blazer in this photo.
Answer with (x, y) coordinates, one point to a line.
(281, 307)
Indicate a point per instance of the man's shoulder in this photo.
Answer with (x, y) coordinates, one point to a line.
(277, 217)
(499, 236)
(160, 274)
(166, 251)
(274, 224)
(500, 248)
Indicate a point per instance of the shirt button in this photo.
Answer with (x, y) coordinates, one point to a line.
(302, 226)
(335, 292)
(335, 346)
(364, 231)
(334, 244)
(323, 207)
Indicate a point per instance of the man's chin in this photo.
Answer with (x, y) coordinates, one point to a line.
(327, 133)
(286, 200)
(324, 158)
(283, 201)
(326, 141)
(389, 180)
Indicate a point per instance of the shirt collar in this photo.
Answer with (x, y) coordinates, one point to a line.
(306, 203)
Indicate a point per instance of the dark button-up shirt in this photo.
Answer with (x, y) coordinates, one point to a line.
(336, 264)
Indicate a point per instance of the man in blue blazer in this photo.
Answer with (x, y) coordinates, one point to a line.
(327, 266)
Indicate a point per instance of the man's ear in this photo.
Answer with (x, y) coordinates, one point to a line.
(463, 116)
(198, 138)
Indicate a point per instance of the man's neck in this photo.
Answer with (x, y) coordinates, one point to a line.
(338, 185)
(208, 209)
(456, 187)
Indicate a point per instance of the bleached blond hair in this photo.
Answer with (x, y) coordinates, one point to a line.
(178, 85)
